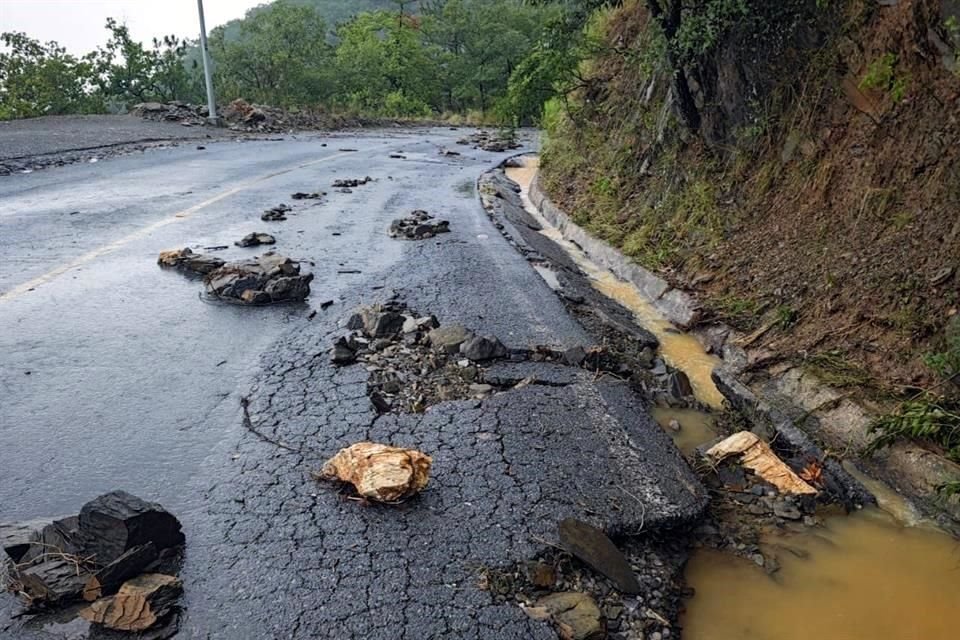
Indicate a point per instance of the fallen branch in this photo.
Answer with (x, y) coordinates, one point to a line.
(248, 425)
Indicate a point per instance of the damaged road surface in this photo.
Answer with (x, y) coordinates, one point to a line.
(117, 372)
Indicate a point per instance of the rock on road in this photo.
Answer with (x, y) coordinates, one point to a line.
(117, 375)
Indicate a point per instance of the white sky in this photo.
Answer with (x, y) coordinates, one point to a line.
(78, 24)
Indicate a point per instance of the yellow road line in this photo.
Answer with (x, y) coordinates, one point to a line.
(150, 228)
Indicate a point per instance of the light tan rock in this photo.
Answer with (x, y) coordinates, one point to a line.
(756, 455)
(138, 605)
(576, 615)
(380, 472)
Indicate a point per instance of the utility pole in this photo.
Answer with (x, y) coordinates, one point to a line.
(207, 72)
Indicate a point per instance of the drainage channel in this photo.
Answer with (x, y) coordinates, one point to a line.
(877, 574)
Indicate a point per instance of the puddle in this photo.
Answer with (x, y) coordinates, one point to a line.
(548, 275)
(696, 427)
(681, 351)
(860, 577)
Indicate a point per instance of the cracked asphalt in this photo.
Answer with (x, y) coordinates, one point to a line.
(118, 376)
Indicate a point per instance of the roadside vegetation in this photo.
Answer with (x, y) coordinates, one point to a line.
(398, 58)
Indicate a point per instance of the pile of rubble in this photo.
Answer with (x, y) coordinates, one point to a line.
(240, 115)
(496, 142)
(414, 362)
(267, 279)
(277, 213)
(255, 239)
(120, 554)
(346, 185)
(419, 225)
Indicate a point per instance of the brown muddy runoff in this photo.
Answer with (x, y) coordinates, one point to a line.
(865, 576)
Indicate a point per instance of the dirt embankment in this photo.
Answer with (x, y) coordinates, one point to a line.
(820, 200)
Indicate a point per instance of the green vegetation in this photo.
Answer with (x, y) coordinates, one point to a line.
(836, 369)
(925, 419)
(882, 76)
(380, 57)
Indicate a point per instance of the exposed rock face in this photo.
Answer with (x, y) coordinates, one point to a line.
(380, 472)
(267, 279)
(186, 260)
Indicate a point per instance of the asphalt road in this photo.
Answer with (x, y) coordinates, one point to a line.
(116, 374)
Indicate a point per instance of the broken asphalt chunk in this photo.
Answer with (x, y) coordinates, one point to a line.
(593, 547)
(380, 472)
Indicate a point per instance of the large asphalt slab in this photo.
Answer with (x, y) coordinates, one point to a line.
(118, 375)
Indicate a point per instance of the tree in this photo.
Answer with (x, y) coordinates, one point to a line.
(41, 79)
(125, 71)
(281, 56)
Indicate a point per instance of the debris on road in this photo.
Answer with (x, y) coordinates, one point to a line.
(756, 455)
(351, 183)
(419, 225)
(380, 472)
(276, 214)
(138, 605)
(496, 142)
(255, 239)
(300, 195)
(592, 546)
(110, 547)
(270, 278)
(186, 260)
(576, 615)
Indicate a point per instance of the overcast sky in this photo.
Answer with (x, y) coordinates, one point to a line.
(78, 24)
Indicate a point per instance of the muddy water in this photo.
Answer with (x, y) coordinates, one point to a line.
(696, 427)
(680, 350)
(859, 577)
(862, 577)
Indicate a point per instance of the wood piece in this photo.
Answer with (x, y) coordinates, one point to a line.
(592, 546)
(109, 579)
(138, 605)
(380, 472)
(54, 581)
(756, 455)
(117, 521)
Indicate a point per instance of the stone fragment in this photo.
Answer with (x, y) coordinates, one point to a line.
(756, 455)
(55, 581)
(351, 183)
(419, 225)
(109, 579)
(593, 547)
(448, 338)
(138, 605)
(117, 521)
(186, 260)
(266, 279)
(342, 353)
(255, 239)
(576, 615)
(276, 214)
(679, 385)
(17, 538)
(380, 472)
(481, 348)
(381, 324)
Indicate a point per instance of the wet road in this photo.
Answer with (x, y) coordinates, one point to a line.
(116, 369)
(117, 375)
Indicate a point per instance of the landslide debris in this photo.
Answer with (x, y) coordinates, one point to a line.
(277, 213)
(187, 261)
(419, 225)
(496, 142)
(380, 472)
(268, 279)
(109, 554)
(255, 239)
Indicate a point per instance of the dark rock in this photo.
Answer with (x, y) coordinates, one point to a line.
(574, 356)
(342, 353)
(593, 547)
(255, 239)
(57, 581)
(355, 323)
(307, 196)
(382, 324)
(351, 183)
(419, 225)
(131, 564)
(380, 403)
(18, 538)
(60, 536)
(480, 348)
(680, 386)
(276, 214)
(186, 260)
(117, 521)
(266, 279)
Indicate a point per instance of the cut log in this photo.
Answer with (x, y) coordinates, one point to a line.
(116, 522)
(54, 581)
(138, 605)
(380, 472)
(109, 579)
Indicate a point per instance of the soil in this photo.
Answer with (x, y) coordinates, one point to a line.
(839, 232)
